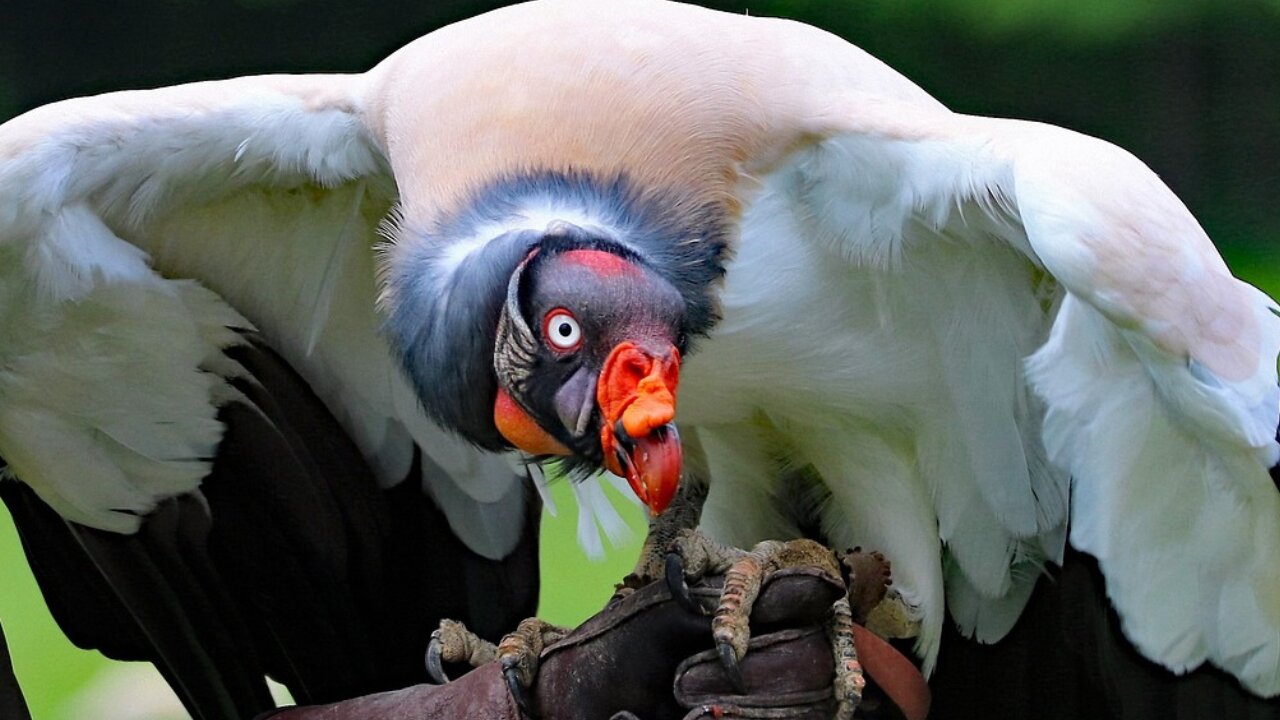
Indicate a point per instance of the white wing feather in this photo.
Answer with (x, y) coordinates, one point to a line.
(268, 191)
(1159, 374)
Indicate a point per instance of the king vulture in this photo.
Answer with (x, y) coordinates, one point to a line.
(976, 339)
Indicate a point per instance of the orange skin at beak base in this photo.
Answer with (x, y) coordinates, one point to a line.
(521, 430)
(638, 389)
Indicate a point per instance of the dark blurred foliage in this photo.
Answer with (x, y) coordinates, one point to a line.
(1190, 86)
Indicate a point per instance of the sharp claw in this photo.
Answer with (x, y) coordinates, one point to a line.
(677, 586)
(729, 661)
(435, 669)
(519, 693)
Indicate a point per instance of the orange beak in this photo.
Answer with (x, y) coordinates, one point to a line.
(637, 397)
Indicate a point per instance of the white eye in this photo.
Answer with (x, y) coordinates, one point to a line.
(561, 330)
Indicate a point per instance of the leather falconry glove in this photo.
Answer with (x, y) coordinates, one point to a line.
(644, 657)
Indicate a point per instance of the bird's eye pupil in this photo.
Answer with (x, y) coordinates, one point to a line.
(561, 330)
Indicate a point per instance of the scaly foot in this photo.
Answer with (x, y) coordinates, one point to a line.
(849, 680)
(518, 653)
(452, 642)
(694, 555)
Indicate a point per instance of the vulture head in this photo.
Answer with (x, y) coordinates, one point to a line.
(563, 340)
(587, 357)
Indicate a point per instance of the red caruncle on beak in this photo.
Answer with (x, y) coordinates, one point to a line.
(637, 398)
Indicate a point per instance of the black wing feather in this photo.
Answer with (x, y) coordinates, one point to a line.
(1066, 658)
(12, 704)
(288, 562)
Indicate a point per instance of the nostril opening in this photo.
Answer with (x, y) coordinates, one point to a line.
(638, 366)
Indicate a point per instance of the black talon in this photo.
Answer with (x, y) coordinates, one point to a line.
(676, 585)
(435, 668)
(729, 661)
(511, 673)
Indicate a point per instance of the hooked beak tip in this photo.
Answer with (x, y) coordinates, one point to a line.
(651, 465)
(636, 395)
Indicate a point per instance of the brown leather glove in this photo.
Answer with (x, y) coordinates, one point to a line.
(645, 657)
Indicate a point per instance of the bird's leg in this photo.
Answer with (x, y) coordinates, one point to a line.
(676, 550)
(867, 578)
(745, 574)
(517, 652)
(680, 517)
(849, 679)
(868, 600)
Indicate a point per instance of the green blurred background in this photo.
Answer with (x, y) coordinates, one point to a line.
(1190, 86)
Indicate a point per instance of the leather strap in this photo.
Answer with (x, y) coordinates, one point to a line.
(900, 679)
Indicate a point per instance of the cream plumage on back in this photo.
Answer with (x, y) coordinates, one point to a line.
(978, 332)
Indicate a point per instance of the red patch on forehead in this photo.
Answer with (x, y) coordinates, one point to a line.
(601, 262)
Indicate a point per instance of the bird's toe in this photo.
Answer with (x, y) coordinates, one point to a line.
(452, 642)
(518, 653)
